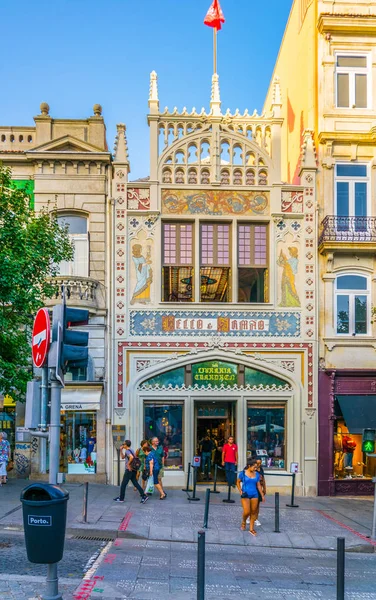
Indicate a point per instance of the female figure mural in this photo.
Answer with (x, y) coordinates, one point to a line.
(289, 293)
(144, 275)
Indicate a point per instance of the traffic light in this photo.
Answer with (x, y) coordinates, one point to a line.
(71, 345)
(368, 441)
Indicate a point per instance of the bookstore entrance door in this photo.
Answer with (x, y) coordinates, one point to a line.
(215, 422)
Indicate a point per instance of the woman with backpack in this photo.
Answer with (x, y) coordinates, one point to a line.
(132, 465)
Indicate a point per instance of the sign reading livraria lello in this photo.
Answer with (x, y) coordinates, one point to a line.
(205, 323)
(214, 373)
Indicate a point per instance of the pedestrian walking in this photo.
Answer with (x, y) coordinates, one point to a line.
(263, 485)
(4, 457)
(157, 448)
(141, 455)
(152, 468)
(230, 460)
(206, 449)
(249, 486)
(131, 466)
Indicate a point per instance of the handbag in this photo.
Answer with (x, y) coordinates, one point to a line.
(150, 485)
(10, 465)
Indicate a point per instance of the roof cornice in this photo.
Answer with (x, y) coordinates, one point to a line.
(342, 23)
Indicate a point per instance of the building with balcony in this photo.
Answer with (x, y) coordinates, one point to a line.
(332, 91)
(214, 299)
(65, 164)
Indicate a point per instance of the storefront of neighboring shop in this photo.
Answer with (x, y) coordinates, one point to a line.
(347, 406)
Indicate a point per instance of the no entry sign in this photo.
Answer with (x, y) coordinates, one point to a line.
(41, 337)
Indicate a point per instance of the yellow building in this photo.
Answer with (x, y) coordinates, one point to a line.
(326, 65)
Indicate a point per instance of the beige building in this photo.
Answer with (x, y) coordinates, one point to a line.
(214, 299)
(331, 90)
(65, 164)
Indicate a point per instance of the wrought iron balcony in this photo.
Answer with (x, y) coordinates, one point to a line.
(347, 230)
(79, 291)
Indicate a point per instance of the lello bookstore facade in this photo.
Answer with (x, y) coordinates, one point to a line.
(214, 291)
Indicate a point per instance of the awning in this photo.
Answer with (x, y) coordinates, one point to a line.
(81, 398)
(359, 412)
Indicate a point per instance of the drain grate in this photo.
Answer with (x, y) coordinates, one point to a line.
(94, 538)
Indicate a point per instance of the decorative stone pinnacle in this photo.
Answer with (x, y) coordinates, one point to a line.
(215, 102)
(308, 155)
(44, 109)
(121, 147)
(153, 91)
(97, 110)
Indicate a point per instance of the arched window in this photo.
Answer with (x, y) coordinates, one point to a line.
(78, 233)
(353, 304)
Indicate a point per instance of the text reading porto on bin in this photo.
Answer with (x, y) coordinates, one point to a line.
(43, 521)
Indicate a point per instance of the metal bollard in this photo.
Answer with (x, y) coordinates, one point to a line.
(84, 509)
(207, 502)
(201, 566)
(292, 503)
(194, 497)
(228, 500)
(214, 490)
(186, 489)
(276, 508)
(340, 568)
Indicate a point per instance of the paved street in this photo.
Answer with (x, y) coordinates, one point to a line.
(153, 552)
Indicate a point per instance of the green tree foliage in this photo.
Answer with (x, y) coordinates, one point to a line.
(31, 247)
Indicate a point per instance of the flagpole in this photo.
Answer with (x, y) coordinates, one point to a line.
(215, 49)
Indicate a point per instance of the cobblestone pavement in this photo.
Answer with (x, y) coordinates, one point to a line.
(151, 570)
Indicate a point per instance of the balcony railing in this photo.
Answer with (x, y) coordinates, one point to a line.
(78, 291)
(348, 229)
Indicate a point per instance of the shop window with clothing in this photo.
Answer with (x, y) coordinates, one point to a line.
(78, 442)
(352, 81)
(266, 434)
(353, 414)
(164, 420)
(353, 305)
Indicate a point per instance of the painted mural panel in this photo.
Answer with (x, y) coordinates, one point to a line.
(142, 273)
(214, 202)
(288, 263)
(208, 323)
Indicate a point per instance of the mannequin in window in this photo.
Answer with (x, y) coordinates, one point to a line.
(338, 452)
(349, 446)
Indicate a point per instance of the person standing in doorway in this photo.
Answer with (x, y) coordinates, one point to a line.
(249, 487)
(130, 474)
(230, 460)
(206, 449)
(159, 455)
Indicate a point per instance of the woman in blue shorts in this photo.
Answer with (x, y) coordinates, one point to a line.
(249, 487)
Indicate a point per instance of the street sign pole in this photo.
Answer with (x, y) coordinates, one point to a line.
(373, 533)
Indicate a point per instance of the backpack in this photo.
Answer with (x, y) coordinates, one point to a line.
(136, 463)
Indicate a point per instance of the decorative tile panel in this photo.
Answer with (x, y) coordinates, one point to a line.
(202, 323)
(214, 202)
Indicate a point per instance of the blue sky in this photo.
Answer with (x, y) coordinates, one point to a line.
(75, 53)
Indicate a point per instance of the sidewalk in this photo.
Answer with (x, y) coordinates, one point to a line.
(314, 525)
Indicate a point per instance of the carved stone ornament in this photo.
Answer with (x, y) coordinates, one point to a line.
(310, 412)
(119, 412)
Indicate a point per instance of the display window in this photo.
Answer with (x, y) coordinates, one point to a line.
(165, 421)
(7, 424)
(349, 460)
(78, 442)
(266, 434)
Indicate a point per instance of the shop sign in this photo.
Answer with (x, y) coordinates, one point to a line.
(214, 373)
(80, 406)
(206, 323)
(212, 411)
(196, 461)
(294, 467)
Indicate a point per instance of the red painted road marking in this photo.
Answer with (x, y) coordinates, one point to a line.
(360, 535)
(110, 558)
(118, 542)
(86, 587)
(125, 522)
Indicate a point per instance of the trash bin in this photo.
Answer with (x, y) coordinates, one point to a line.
(44, 509)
